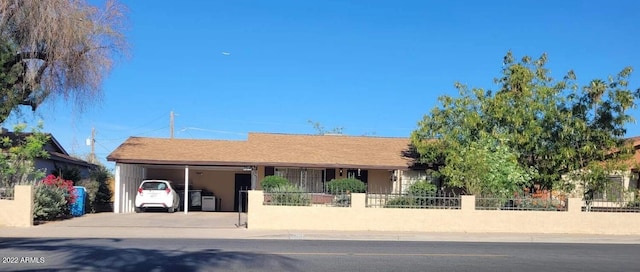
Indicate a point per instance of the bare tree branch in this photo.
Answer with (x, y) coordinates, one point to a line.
(64, 47)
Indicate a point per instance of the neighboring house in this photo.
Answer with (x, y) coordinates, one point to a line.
(58, 156)
(226, 167)
(622, 186)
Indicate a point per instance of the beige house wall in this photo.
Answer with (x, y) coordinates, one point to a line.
(379, 181)
(467, 219)
(221, 183)
(19, 211)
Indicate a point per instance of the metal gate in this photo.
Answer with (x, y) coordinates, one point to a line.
(243, 201)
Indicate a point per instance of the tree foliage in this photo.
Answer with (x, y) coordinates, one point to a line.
(56, 48)
(487, 167)
(19, 153)
(552, 127)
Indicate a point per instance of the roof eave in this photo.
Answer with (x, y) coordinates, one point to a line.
(247, 163)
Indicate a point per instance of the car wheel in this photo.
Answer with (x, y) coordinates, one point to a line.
(139, 209)
(171, 210)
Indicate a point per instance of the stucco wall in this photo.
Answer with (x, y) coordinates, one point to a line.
(467, 219)
(19, 211)
(221, 183)
(379, 181)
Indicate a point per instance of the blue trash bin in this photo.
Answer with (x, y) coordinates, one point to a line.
(77, 208)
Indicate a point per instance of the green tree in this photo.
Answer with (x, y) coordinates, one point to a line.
(56, 48)
(19, 154)
(486, 167)
(553, 127)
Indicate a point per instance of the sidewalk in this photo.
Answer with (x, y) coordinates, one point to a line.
(222, 226)
(44, 231)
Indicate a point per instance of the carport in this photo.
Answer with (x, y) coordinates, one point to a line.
(129, 176)
(215, 165)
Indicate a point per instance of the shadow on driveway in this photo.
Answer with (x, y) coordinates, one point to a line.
(109, 255)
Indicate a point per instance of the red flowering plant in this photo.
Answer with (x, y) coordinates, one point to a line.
(67, 185)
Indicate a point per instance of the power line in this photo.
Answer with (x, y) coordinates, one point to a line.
(214, 131)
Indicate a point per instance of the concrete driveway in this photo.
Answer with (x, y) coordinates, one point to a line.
(205, 220)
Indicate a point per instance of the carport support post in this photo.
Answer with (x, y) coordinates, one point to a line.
(117, 198)
(254, 177)
(186, 189)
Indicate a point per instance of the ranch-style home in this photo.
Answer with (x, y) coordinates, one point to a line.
(222, 168)
(58, 158)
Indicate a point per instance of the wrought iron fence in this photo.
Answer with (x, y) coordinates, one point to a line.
(6, 193)
(521, 203)
(622, 205)
(342, 199)
(413, 201)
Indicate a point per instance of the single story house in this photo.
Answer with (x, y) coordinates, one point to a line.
(622, 186)
(58, 157)
(223, 167)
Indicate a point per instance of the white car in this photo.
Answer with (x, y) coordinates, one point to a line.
(157, 194)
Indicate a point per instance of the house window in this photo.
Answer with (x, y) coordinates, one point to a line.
(612, 191)
(310, 180)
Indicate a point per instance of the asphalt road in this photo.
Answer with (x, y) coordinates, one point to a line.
(22, 254)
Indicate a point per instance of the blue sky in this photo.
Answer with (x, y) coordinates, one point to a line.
(371, 67)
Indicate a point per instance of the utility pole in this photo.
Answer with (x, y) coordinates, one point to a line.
(93, 145)
(171, 124)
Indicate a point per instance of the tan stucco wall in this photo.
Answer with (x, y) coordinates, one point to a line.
(19, 211)
(221, 183)
(467, 219)
(379, 181)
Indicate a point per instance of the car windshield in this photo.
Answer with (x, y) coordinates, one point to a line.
(154, 186)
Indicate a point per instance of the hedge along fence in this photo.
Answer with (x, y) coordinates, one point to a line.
(348, 185)
(287, 195)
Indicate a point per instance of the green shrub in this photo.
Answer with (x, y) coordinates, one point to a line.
(422, 188)
(423, 193)
(104, 193)
(271, 182)
(350, 185)
(92, 187)
(289, 195)
(538, 204)
(634, 203)
(401, 202)
(50, 202)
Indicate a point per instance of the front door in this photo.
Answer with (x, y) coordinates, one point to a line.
(243, 183)
(362, 175)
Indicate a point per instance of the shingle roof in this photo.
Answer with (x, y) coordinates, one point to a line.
(270, 149)
(54, 148)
